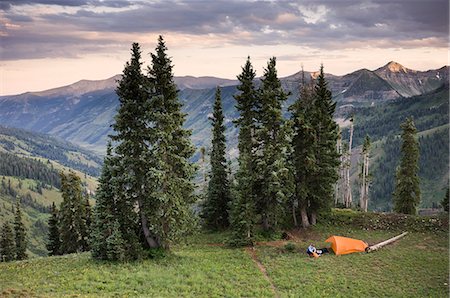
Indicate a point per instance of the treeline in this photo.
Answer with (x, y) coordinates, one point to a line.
(13, 165)
(433, 164)
(428, 110)
(50, 148)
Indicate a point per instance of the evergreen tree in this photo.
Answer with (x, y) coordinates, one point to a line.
(242, 211)
(170, 172)
(444, 202)
(132, 130)
(20, 234)
(7, 250)
(105, 212)
(215, 209)
(407, 190)
(303, 155)
(115, 244)
(327, 162)
(271, 167)
(73, 229)
(54, 241)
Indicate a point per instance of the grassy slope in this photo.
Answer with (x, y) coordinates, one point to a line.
(416, 266)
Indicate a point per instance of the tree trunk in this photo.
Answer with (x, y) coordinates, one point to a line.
(294, 216)
(348, 197)
(384, 243)
(366, 191)
(304, 216)
(265, 222)
(363, 185)
(152, 243)
(313, 218)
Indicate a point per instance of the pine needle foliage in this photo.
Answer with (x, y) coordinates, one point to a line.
(215, 208)
(54, 241)
(20, 235)
(407, 190)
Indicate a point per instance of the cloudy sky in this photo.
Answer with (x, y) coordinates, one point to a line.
(50, 43)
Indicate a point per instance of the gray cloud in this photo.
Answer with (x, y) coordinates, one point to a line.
(345, 24)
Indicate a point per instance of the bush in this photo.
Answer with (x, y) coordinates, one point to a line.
(385, 221)
(290, 247)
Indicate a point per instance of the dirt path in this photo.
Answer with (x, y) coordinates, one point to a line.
(252, 252)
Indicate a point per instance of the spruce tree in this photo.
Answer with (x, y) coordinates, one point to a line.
(407, 190)
(170, 172)
(115, 246)
(303, 155)
(54, 241)
(326, 161)
(132, 155)
(7, 250)
(242, 211)
(73, 229)
(20, 235)
(271, 148)
(215, 209)
(105, 214)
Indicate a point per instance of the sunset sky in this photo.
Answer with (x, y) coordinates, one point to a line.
(50, 43)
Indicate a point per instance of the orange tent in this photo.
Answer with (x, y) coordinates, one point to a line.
(344, 245)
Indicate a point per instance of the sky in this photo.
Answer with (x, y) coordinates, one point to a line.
(51, 43)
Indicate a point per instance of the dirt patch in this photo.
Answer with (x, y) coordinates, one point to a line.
(278, 243)
(252, 252)
(215, 244)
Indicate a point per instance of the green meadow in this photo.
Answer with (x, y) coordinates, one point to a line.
(414, 266)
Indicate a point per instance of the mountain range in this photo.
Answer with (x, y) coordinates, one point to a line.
(83, 112)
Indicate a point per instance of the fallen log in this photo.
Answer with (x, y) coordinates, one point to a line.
(381, 244)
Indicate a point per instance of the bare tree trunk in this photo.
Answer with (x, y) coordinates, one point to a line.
(313, 218)
(366, 191)
(348, 197)
(336, 186)
(294, 216)
(363, 184)
(384, 243)
(304, 216)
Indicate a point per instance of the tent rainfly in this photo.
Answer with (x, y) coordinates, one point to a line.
(343, 245)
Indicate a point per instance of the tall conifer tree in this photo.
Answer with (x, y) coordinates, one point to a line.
(20, 235)
(54, 241)
(303, 155)
(271, 148)
(327, 162)
(171, 172)
(215, 209)
(407, 190)
(242, 213)
(132, 134)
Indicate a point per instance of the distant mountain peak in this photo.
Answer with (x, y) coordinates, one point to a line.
(395, 67)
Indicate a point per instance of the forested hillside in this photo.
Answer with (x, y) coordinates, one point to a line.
(382, 124)
(32, 144)
(30, 164)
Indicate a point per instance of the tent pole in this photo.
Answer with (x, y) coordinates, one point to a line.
(381, 244)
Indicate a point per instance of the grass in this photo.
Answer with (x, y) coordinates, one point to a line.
(415, 266)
